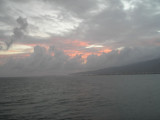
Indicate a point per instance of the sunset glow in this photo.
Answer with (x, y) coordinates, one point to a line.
(17, 49)
(76, 43)
(85, 54)
(64, 36)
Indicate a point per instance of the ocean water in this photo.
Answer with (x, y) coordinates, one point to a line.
(119, 97)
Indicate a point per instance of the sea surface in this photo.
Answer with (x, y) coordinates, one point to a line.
(113, 97)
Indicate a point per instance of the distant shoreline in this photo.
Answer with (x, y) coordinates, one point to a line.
(115, 74)
(77, 74)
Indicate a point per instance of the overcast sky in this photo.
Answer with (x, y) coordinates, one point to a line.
(52, 37)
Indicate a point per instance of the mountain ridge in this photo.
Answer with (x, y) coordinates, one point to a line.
(145, 67)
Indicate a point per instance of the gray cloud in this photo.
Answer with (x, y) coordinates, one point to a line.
(122, 26)
(129, 24)
(18, 33)
(40, 62)
(126, 56)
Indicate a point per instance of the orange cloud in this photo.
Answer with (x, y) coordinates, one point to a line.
(105, 50)
(77, 43)
(69, 47)
(72, 53)
(85, 54)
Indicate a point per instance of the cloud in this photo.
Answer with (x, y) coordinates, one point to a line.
(66, 36)
(42, 62)
(122, 27)
(119, 57)
(92, 46)
(113, 25)
(18, 33)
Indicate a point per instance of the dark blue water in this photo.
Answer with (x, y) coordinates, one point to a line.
(129, 97)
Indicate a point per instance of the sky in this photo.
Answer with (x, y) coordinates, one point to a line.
(55, 37)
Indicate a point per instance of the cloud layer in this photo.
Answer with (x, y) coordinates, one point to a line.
(60, 37)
